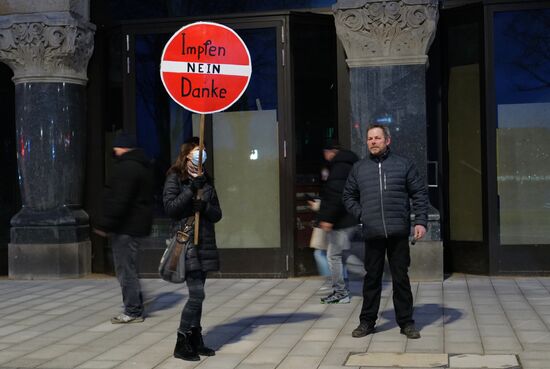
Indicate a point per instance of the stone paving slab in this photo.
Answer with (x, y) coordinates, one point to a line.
(483, 361)
(398, 360)
(269, 323)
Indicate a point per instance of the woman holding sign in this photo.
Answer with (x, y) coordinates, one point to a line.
(184, 181)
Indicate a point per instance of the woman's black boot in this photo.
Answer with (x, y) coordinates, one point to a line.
(184, 349)
(198, 343)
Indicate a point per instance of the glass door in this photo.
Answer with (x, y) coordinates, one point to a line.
(243, 147)
(519, 109)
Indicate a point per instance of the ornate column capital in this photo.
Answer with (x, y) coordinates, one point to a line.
(386, 32)
(52, 47)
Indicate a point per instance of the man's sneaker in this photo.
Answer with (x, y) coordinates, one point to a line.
(335, 299)
(125, 319)
(410, 331)
(363, 330)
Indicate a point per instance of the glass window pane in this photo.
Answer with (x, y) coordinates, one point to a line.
(161, 124)
(246, 153)
(466, 222)
(464, 143)
(522, 86)
(246, 167)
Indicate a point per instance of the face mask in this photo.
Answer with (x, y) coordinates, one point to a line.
(195, 158)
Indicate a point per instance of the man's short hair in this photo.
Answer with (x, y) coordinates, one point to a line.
(383, 127)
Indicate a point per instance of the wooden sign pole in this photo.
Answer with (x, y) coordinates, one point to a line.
(199, 191)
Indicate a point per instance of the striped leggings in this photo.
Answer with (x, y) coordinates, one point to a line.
(192, 311)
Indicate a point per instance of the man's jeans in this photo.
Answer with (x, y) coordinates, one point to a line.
(125, 259)
(338, 242)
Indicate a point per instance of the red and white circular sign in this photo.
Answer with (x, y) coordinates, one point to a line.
(205, 67)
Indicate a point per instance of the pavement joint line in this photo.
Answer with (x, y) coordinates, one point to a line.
(280, 324)
(517, 289)
(432, 360)
(262, 292)
(142, 329)
(352, 315)
(105, 333)
(474, 312)
(529, 302)
(530, 324)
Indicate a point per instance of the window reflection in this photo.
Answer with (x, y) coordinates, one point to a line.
(522, 87)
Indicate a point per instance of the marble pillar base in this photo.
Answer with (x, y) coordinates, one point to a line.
(426, 254)
(49, 234)
(49, 261)
(427, 261)
(61, 215)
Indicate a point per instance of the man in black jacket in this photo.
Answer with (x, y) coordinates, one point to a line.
(128, 216)
(335, 220)
(378, 192)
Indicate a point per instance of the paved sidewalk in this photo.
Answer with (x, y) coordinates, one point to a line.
(266, 323)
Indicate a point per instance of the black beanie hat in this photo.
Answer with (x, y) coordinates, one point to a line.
(331, 144)
(124, 140)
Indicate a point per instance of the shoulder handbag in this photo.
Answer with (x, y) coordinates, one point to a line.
(172, 263)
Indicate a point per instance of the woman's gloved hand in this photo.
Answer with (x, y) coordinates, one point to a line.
(199, 205)
(197, 183)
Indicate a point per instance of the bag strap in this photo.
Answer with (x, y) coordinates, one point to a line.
(181, 234)
(187, 223)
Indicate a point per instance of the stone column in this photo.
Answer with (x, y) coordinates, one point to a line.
(386, 44)
(48, 45)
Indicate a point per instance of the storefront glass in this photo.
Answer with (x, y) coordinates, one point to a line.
(246, 153)
(522, 90)
(243, 152)
(464, 126)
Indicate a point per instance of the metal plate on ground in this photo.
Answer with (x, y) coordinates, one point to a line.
(483, 361)
(398, 360)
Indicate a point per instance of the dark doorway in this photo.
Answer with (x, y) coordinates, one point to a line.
(464, 231)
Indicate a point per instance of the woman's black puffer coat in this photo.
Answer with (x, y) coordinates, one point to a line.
(178, 205)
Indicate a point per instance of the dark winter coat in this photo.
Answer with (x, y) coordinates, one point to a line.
(332, 207)
(379, 191)
(178, 205)
(128, 197)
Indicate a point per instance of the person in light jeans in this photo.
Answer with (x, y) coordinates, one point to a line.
(334, 219)
(340, 261)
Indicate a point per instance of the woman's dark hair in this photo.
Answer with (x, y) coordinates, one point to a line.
(180, 165)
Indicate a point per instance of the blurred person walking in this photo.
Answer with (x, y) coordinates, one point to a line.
(335, 220)
(127, 216)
